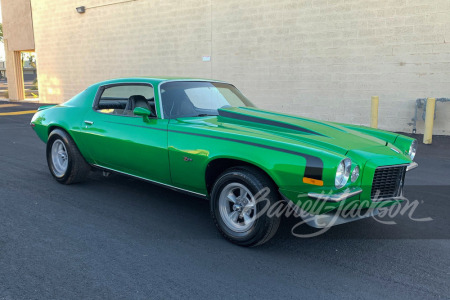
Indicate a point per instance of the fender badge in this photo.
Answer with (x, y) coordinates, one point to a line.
(395, 150)
(187, 158)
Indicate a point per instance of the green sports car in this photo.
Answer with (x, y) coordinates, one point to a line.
(206, 138)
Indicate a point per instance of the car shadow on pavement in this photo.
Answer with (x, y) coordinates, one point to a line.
(144, 205)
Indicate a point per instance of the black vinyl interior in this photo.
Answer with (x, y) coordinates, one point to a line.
(125, 106)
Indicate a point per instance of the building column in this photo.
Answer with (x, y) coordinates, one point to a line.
(14, 73)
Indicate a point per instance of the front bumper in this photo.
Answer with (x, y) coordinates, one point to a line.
(412, 166)
(335, 217)
(350, 192)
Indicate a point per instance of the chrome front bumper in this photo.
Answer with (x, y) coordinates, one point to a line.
(334, 218)
(411, 166)
(350, 192)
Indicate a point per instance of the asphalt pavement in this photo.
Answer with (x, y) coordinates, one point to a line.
(121, 238)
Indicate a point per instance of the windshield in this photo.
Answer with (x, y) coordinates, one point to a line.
(197, 98)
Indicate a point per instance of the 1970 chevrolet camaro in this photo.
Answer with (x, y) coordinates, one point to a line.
(205, 138)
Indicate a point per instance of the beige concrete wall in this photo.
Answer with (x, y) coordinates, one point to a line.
(14, 73)
(315, 58)
(17, 24)
(18, 36)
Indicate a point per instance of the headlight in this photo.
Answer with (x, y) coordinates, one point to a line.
(413, 149)
(355, 174)
(342, 173)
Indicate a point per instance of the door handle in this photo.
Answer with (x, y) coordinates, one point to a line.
(88, 122)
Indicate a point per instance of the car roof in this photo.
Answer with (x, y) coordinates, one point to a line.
(153, 80)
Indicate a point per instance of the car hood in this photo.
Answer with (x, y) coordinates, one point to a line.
(294, 129)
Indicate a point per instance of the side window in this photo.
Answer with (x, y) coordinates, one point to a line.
(123, 99)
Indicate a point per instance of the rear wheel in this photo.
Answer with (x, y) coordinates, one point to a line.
(238, 200)
(64, 160)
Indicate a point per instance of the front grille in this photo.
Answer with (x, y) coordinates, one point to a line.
(388, 182)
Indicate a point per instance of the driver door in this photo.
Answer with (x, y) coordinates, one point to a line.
(120, 141)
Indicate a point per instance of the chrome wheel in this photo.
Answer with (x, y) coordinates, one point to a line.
(237, 207)
(60, 158)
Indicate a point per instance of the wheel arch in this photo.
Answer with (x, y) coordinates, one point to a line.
(52, 127)
(218, 165)
(55, 126)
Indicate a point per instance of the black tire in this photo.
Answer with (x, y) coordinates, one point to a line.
(77, 168)
(264, 226)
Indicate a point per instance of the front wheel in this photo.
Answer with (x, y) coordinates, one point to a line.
(64, 160)
(240, 200)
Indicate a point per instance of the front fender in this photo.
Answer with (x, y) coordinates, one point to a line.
(191, 151)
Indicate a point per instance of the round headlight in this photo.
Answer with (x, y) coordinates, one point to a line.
(413, 149)
(355, 174)
(342, 173)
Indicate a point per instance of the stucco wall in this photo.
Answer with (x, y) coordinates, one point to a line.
(17, 24)
(315, 58)
(17, 36)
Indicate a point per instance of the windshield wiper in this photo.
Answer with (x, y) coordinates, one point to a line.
(205, 115)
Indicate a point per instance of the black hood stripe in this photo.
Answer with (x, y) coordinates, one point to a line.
(322, 123)
(237, 116)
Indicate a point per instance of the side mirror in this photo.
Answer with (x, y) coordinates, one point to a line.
(143, 112)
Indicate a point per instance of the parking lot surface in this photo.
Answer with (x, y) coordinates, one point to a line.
(120, 238)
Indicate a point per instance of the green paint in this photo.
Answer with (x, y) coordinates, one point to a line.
(177, 152)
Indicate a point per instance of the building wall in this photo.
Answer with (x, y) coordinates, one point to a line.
(18, 36)
(315, 58)
(17, 24)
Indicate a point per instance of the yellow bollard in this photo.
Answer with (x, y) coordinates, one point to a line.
(429, 121)
(374, 117)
